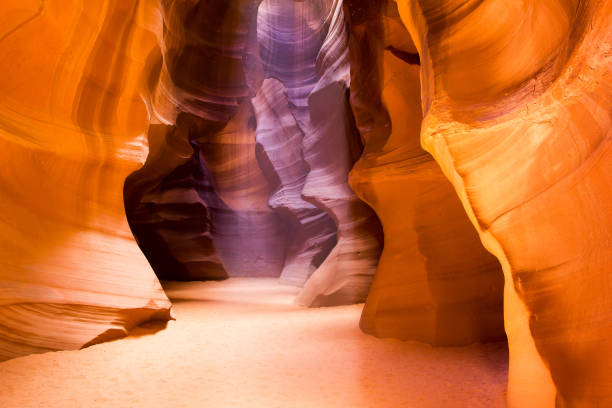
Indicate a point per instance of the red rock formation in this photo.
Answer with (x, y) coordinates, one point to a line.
(71, 130)
(517, 113)
(435, 282)
(516, 104)
(250, 237)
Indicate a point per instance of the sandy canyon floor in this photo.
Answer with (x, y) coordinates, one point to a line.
(242, 343)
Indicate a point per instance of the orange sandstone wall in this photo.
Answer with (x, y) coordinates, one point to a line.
(517, 97)
(435, 282)
(512, 100)
(71, 130)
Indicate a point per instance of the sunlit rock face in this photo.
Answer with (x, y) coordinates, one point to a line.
(226, 132)
(304, 45)
(435, 282)
(517, 99)
(253, 144)
(312, 232)
(71, 130)
(290, 35)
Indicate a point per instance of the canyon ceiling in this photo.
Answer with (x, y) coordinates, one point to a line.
(447, 162)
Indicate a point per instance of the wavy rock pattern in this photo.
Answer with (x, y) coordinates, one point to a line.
(207, 172)
(304, 46)
(71, 130)
(205, 179)
(168, 214)
(313, 231)
(519, 119)
(251, 238)
(250, 116)
(435, 282)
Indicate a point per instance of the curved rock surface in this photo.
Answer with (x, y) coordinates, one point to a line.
(304, 45)
(519, 119)
(312, 233)
(250, 236)
(214, 174)
(169, 218)
(71, 130)
(248, 117)
(435, 282)
(205, 179)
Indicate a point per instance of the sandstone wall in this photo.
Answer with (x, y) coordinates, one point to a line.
(71, 130)
(517, 100)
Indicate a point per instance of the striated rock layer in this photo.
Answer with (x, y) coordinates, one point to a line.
(250, 116)
(204, 178)
(311, 231)
(435, 282)
(214, 172)
(214, 199)
(519, 119)
(71, 130)
(303, 45)
(168, 217)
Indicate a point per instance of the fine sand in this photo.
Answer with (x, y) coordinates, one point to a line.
(242, 343)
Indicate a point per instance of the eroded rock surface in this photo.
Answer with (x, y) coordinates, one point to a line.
(435, 282)
(247, 117)
(312, 233)
(71, 130)
(199, 88)
(519, 119)
(304, 46)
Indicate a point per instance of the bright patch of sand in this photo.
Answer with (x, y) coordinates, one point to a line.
(242, 343)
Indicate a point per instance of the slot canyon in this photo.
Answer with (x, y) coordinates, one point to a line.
(306, 203)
